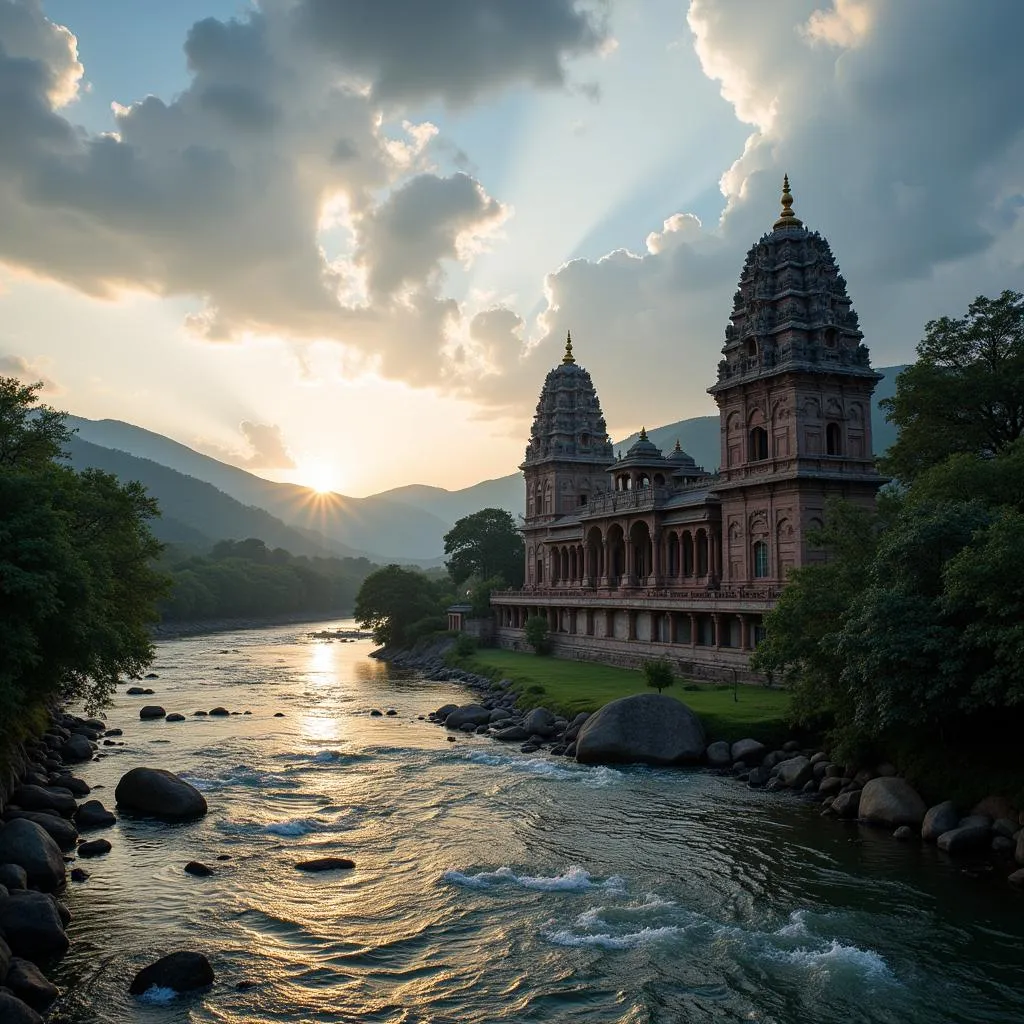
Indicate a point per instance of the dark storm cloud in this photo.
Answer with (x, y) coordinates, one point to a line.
(454, 50)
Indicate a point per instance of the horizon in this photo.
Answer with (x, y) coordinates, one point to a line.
(256, 228)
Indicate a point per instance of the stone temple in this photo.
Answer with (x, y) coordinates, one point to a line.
(648, 555)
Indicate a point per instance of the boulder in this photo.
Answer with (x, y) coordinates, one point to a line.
(94, 848)
(219, 712)
(470, 714)
(847, 804)
(972, 820)
(938, 819)
(795, 772)
(49, 798)
(903, 833)
(12, 876)
(968, 839)
(79, 875)
(60, 830)
(749, 751)
(540, 722)
(444, 711)
(1017, 879)
(649, 728)
(575, 725)
(30, 985)
(180, 972)
(892, 801)
(135, 691)
(719, 754)
(499, 715)
(995, 807)
(200, 870)
(511, 734)
(92, 814)
(326, 864)
(159, 793)
(75, 786)
(14, 1011)
(76, 748)
(152, 711)
(32, 926)
(175, 717)
(830, 785)
(28, 845)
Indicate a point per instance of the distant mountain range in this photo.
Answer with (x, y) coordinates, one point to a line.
(204, 500)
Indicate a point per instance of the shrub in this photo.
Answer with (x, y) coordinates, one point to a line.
(536, 630)
(465, 646)
(659, 674)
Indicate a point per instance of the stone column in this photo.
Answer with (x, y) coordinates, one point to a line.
(609, 622)
(588, 621)
(630, 560)
(673, 628)
(716, 629)
(656, 557)
(631, 627)
(744, 632)
(693, 629)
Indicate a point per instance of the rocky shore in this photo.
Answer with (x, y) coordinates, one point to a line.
(654, 729)
(50, 821)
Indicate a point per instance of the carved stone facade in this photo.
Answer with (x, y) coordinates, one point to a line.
(649, 555)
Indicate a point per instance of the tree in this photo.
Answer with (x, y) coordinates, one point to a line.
(391, 600)
(659, 674)
(536, 631)
(77, 585)
(485, 544)
(965, 393)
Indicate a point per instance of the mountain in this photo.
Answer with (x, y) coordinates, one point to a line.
(379, 528)
(505, 492)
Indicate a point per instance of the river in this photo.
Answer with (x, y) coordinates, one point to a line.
(492, 885)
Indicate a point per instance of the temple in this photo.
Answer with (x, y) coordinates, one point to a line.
(648, 555)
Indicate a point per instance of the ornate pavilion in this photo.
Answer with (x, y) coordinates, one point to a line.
(648, 555)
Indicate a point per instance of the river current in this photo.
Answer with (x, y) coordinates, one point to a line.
(492, 885)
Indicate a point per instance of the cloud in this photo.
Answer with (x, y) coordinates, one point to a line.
(267, 449)
(31, 372)
(407, 50)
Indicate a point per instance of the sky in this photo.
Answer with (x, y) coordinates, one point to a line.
(340, 242)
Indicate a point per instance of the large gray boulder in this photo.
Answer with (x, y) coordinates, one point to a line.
(92, 814)
(938, 819)
(470, 714)
(159, 794)
(969, 839)
(30, 846)
(14, 1011)
(719, 754)
(32, 926)
(60, 830)
(575, 725)
(645, 728)
(45, 798)
(181, 972)
(77, 748)
(511, 734)
(749, 751)
(846, 804)
(795, 772)
(540, 722)
(30, 985)
(891, 801)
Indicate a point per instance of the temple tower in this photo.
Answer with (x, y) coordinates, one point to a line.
(566, 458)
(794, 397)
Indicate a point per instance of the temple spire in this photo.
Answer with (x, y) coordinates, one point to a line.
(643, 433)
(787, 219)
(568, 357)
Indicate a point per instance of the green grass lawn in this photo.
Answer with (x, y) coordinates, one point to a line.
(573, 686)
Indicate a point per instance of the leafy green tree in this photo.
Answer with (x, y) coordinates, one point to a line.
(485, 544)
(536, 631)
(391, 600)
(659, 674)
(77, 585)
(965, 393)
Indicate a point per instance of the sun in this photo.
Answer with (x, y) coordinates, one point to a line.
(319, 476)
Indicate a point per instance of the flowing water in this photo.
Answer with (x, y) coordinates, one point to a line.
(496, 886)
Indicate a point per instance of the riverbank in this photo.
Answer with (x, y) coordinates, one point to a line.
(173, 629)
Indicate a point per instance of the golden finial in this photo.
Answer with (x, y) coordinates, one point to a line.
(787, 219)
(643, 433)
(677, 448)
(568, 357)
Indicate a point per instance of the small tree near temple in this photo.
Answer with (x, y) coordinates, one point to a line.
(659, 674)
(536, 630)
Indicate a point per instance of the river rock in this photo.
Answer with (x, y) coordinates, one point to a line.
(903, 833)
(60, 830)
(938, 819)
(14, 1011)
(135, 691)
(470, 714)
(197, 868)
(74, 785)
(28, 845)
(649, 728)
(12, 876)
(847, 804)
(151, 711)
(180, 972)
(892, 801)
(511, 734)
(540, 722)
(30, 985)
(1005, 827)
(159, 793)
(995, 807)
(114, 732)
(830, 785)
(794, 772)
(175, 717)
(968, 839)
(219, 712)
(32, 926)
(749, 751)
(38, 798)
(76, 748)
(499, 715)
(719, 754)
(92, 814)
(444, 711)
(94, 848)
(79, 875)
(575, 725)
(326, 864)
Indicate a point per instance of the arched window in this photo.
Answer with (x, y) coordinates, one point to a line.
(758, 444)
(760, 560)
(833, 439)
